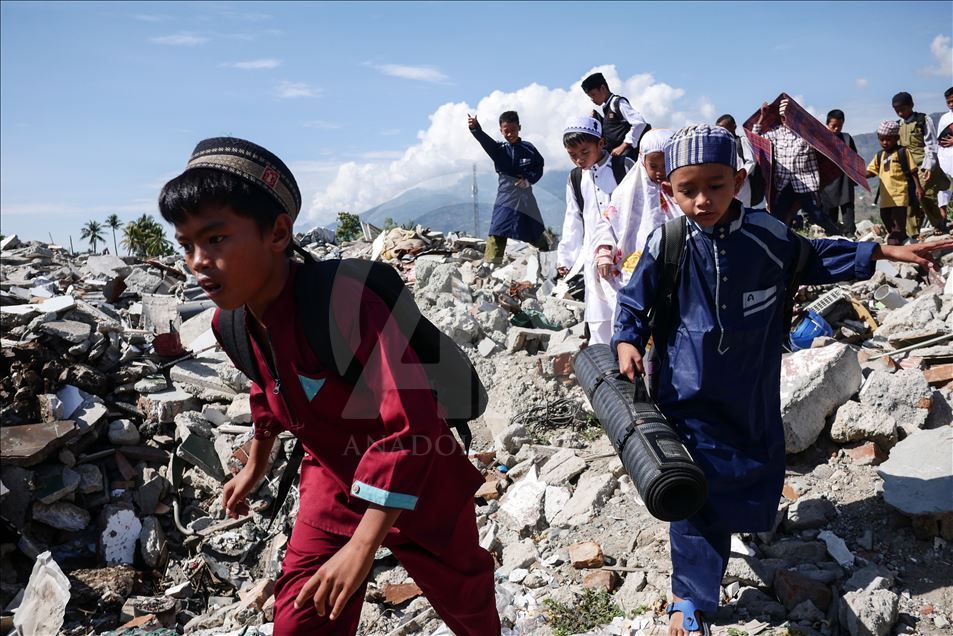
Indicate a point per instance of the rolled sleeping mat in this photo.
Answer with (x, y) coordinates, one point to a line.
(672, 486)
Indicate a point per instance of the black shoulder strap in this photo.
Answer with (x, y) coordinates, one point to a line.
(235, 342)
(803, 254)
(671, 252)
(904, 160)
(618, 168)
(575, 179)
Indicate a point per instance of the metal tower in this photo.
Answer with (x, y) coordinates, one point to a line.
(476, 205)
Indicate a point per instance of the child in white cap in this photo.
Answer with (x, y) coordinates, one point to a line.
(588, 189)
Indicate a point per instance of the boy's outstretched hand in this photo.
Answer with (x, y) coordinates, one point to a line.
(917, 253)
(630, 361)
(342, 575)
(337, 580)
(472, 122)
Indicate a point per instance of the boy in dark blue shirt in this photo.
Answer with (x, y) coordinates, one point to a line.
(515, 214)
(719, 372)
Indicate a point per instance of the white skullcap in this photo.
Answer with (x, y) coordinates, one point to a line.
(587, 125)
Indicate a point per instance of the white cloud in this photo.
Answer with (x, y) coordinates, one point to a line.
(291, 90)
(180, 39)
(861, 82)
(418, 73)
(941, 50)
(446, 146)
(378, 155)
(254, 65)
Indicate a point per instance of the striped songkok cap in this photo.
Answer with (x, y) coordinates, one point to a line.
(252, 163)
(700, 144)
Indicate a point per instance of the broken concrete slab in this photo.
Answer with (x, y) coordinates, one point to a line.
(239, 411)
(869, 613)
(855, 422)
(521, 508)
(905, 395)
(808, 513)
(68, 330)
(562, 467)
(163, 406)
(814, 382)
(61, 515)
(121, 528)
(30, 444)
(43, 607)
(106, 266)
(54, 483)
(592, 491)
(200, 452)
(918, 475)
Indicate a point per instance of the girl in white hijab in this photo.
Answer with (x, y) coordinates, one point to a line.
(637, 206)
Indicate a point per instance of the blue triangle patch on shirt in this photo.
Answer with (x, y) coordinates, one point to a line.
(311, 386)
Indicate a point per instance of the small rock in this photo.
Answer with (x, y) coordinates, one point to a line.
(872, 613)
(123, 433)
(61, 515)
(152, 542)
(793, 588)
(806, 612)
(866, 454)
(807, 513)
(837, 548)
(856, 422)
(600, 580)
(399, 593)
(587, 554)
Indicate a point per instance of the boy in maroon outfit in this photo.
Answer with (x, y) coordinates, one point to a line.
(381, 466)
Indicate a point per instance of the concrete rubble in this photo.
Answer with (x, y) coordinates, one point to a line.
(114, 457)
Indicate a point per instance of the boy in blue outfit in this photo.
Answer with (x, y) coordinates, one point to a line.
(516, 214)
(719, 373)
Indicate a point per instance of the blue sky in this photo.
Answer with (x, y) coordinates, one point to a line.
(100, 103)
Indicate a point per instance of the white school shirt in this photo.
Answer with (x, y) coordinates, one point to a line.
(945, 155)
(577, 245)
(744, 194)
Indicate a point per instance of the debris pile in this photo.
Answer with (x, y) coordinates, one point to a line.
(121, 421)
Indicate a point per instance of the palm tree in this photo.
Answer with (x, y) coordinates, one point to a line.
(93, 232)
(145, 238)
(113, 223)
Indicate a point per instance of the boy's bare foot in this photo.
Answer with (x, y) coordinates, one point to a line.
(676, 625)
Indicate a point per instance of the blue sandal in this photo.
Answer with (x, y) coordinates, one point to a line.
(689, 620)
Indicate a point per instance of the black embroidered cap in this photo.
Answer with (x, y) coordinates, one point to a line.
(593, 81)
(252, 163)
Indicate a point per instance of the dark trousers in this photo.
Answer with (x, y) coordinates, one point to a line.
(847, 218)
(784, 208)
(895, 220)
(699, 559)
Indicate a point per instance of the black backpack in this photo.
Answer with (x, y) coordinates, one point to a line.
(575, 179)
(454, 381)
(672, 251)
